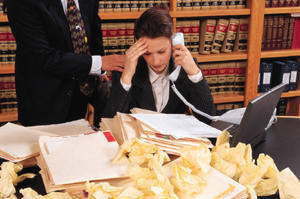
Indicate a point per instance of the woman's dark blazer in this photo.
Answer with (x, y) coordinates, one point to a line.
(140, 94)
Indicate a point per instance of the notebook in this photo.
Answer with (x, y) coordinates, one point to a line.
(253, 126)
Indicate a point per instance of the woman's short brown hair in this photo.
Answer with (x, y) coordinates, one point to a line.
(154, 22)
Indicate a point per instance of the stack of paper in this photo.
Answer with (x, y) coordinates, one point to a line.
(18, 143)
(170, 132)
(68, 162)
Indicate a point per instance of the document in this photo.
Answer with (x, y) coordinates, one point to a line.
(178, 125)
(80, 158)
(18, 143)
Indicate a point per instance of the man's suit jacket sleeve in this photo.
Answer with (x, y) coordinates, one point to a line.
(28, 20)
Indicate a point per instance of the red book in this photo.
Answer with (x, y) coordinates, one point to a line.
(296, 36)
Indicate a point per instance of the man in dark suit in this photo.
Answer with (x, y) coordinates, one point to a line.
(48, 72)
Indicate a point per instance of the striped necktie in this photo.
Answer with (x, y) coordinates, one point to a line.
(80, 42)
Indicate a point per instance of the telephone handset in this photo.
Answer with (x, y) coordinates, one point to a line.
(177, 38)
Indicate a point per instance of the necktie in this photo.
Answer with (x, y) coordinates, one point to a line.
(80, 42)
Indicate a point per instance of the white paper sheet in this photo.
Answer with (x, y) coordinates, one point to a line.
(178, 125)
(233, 116)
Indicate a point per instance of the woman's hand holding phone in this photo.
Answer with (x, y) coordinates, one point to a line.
(132, 56)
(183, 57)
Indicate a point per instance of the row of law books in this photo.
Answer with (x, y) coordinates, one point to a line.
(278, 32)
(274, 72)
(225, 77)
(210, 4)
(215, 35)
(117, 37)
(7, 46)
(281, 3)
(129, 5)
(201, 36)
(8, 100)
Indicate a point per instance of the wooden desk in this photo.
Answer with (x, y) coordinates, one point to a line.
(282, 144)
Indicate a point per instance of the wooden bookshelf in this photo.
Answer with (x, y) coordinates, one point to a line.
(218, 99)
(291, 94)
(3, 18)
(221, 57)
(282, 10)
(7, 69)
(280, 53)
(8, 117)
(210, 13)
(119, 15)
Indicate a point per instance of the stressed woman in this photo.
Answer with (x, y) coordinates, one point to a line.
(144, 82)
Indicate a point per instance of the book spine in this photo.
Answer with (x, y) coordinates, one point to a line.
(285, 33)
(230, 78)
(222, 73)
(267, 3)
(281, 74)
(207, 32)
(280, 32)
(219, 36)
(274, 32)
(241, 41)
(195, 36)
(213, 79)
(205, 4)
(231, 4)
(187, 5)
(222, 4)
(240, 77)
(291, 32)
(196, 4)
(187, 30)
(230, 37)
(296, 36)
(294, 67)
(266, 72)
(134, 5)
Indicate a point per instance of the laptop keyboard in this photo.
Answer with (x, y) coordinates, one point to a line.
(233, 129)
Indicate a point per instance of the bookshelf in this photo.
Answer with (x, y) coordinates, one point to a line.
(255, 11)
(7, 117)
(7, 69)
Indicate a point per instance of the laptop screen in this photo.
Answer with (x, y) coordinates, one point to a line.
(257, 116)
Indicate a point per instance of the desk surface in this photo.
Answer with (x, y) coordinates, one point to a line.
(282, 144)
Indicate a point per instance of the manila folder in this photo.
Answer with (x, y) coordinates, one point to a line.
(81, 158)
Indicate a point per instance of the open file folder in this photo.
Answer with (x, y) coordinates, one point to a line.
(80, 158)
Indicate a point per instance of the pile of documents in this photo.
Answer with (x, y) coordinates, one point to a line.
(20, 144)
(170, 132)
(68, 162)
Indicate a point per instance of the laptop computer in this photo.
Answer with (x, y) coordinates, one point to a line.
(252, 129)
